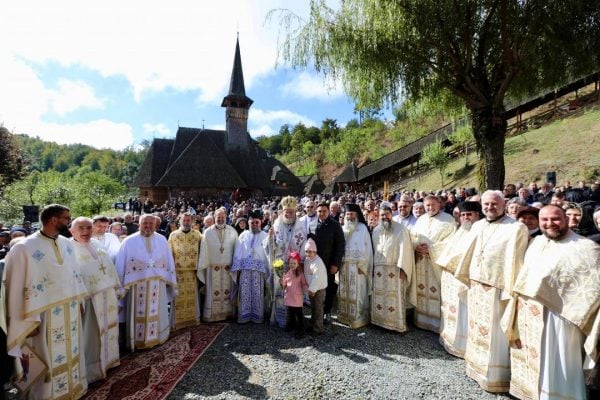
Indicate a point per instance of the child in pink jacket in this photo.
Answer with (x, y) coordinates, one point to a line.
(294, 285)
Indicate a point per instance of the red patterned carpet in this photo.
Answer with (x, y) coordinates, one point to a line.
(152, 374)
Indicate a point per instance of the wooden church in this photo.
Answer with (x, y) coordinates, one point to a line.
(205, 162)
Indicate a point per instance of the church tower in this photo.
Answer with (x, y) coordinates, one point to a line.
(236, 105)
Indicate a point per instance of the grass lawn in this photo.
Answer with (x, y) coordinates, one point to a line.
(570, 147)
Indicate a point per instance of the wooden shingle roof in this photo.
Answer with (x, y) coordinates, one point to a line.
(155, 164)
(202, 164)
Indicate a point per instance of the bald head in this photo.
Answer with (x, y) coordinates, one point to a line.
(81, 229)
(492, 203)
(553, 222)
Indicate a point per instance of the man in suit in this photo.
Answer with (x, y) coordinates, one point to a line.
(331, 245)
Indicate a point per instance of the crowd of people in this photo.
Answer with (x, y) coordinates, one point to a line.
(509, 279)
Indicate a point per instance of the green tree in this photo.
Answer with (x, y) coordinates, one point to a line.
(12, 165)
(462, 137)
(479, 51)
(329, 129)
(286, 138)
(436, 156)
(95, 192)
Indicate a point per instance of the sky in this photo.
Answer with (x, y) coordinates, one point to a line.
(113, 73)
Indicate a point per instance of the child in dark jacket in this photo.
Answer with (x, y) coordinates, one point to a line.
(294, 285)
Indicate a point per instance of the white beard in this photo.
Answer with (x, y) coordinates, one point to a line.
(288, 221)
(349, 226)
(386, 225)
(466, 225)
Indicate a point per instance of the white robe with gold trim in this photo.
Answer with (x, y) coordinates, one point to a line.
(490, 266)
(555, 316)
(425, 286)
(45, 291)
(101, 316)
(214, 270)
(355, 278)
(454, 321)
(392, 253)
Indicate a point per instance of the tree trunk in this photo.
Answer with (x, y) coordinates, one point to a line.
(489, 129)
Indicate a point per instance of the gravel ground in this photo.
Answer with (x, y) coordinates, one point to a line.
(261, 361)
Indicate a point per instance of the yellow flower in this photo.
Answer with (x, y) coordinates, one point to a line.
(278, 264)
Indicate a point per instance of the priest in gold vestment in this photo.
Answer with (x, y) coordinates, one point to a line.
(214, 269)
(454, 325)
(553, 320)
(393, 265)
(490, 266)
(185, 246)
(430, 234)
(45, 293)
(101, 315)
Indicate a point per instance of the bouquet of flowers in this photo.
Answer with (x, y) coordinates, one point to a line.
(278, 266)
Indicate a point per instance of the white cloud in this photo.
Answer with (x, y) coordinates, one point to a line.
(26, 100)
(268, 122)
(258, 116)
(72, 95)
(157, 129)
(310, 86)
(182, 44)
(99, 133)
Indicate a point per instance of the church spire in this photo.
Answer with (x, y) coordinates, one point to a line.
(236, 105)
(237, 92)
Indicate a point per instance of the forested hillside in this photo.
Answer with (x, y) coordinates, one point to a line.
(78, 158)
(86, 179)
(329, 148)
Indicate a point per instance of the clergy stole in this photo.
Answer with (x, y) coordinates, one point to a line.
(392, 254)
(525, 362)
(149, 267)
(355, 279)
(185, 248)
(214, 266)
(487, 346)
(101, 324)
(425, 287)
(454, 321)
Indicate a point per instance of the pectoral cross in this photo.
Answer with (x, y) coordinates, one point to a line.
(102, 268)
(222, 249)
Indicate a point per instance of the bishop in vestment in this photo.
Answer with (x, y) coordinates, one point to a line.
(45, 295)
(287, 235)
(356, 271)
(146, 268)
(250, 271)
(214, 269)
(430, 234)
(393, 264)
(185, 246)
(101, 316)
(454, 322)
(553, 320)
(491, 263)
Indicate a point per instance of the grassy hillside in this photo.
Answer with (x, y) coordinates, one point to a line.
(570, 146)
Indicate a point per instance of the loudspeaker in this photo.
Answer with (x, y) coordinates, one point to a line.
(551, 177)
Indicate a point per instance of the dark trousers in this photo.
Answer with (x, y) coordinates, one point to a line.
(295, 319)
(330, 293)
(316, 305)
(6, 364)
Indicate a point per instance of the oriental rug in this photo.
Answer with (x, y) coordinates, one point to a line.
(153, 374)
